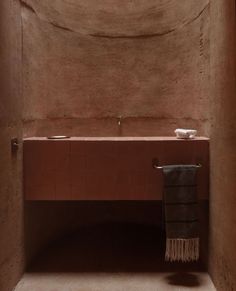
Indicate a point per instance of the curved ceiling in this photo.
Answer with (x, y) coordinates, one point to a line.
(118, 18)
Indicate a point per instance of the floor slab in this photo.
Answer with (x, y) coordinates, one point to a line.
(115, 282)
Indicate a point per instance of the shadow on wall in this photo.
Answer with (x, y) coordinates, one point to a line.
(48, 221)
(98, 238)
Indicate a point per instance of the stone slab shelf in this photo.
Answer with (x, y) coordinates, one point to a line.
(107, 168)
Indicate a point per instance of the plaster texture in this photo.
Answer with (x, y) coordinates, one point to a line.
(89, 63)
(11, 200)
(222, 265)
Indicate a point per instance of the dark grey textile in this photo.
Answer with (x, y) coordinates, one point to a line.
(180, 175)
(180, 201)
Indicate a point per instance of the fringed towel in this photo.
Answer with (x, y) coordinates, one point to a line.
(181, 213)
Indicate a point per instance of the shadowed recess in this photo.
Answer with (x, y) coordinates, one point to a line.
(109, 247)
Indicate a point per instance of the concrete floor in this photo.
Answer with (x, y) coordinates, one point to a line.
(114, 282)
(111, 258)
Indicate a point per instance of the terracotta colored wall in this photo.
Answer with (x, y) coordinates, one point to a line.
(223, 146)
(11, 201)
(86, 63)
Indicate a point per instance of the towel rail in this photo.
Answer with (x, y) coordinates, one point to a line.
(156, 166)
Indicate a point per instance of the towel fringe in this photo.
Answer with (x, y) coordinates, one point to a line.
(184, 250)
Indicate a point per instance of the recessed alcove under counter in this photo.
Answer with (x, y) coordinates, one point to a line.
(107, 168)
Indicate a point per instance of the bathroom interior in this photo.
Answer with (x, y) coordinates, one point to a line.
(116, 78)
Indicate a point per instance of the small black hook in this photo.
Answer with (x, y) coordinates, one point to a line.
(14, 144)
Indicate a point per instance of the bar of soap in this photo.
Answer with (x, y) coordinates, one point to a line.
(185, 133)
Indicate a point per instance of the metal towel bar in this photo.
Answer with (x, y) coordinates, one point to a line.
(156, 166)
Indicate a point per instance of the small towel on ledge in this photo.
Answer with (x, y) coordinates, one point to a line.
(181, 213)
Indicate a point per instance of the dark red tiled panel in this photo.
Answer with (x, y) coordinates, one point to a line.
(46, 170)
(90, 169)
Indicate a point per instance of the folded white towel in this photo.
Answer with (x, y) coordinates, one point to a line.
(185, 133)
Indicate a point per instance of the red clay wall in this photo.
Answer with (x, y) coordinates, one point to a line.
(222, 255)
(87, 63)
(11, 200)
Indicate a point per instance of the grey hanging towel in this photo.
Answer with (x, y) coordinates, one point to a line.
(181, 213)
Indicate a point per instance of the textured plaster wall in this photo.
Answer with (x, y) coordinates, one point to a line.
(89, 63)
(222, 265)
(11, 201)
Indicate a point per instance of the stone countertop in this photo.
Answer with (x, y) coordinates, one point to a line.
(117, 138)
